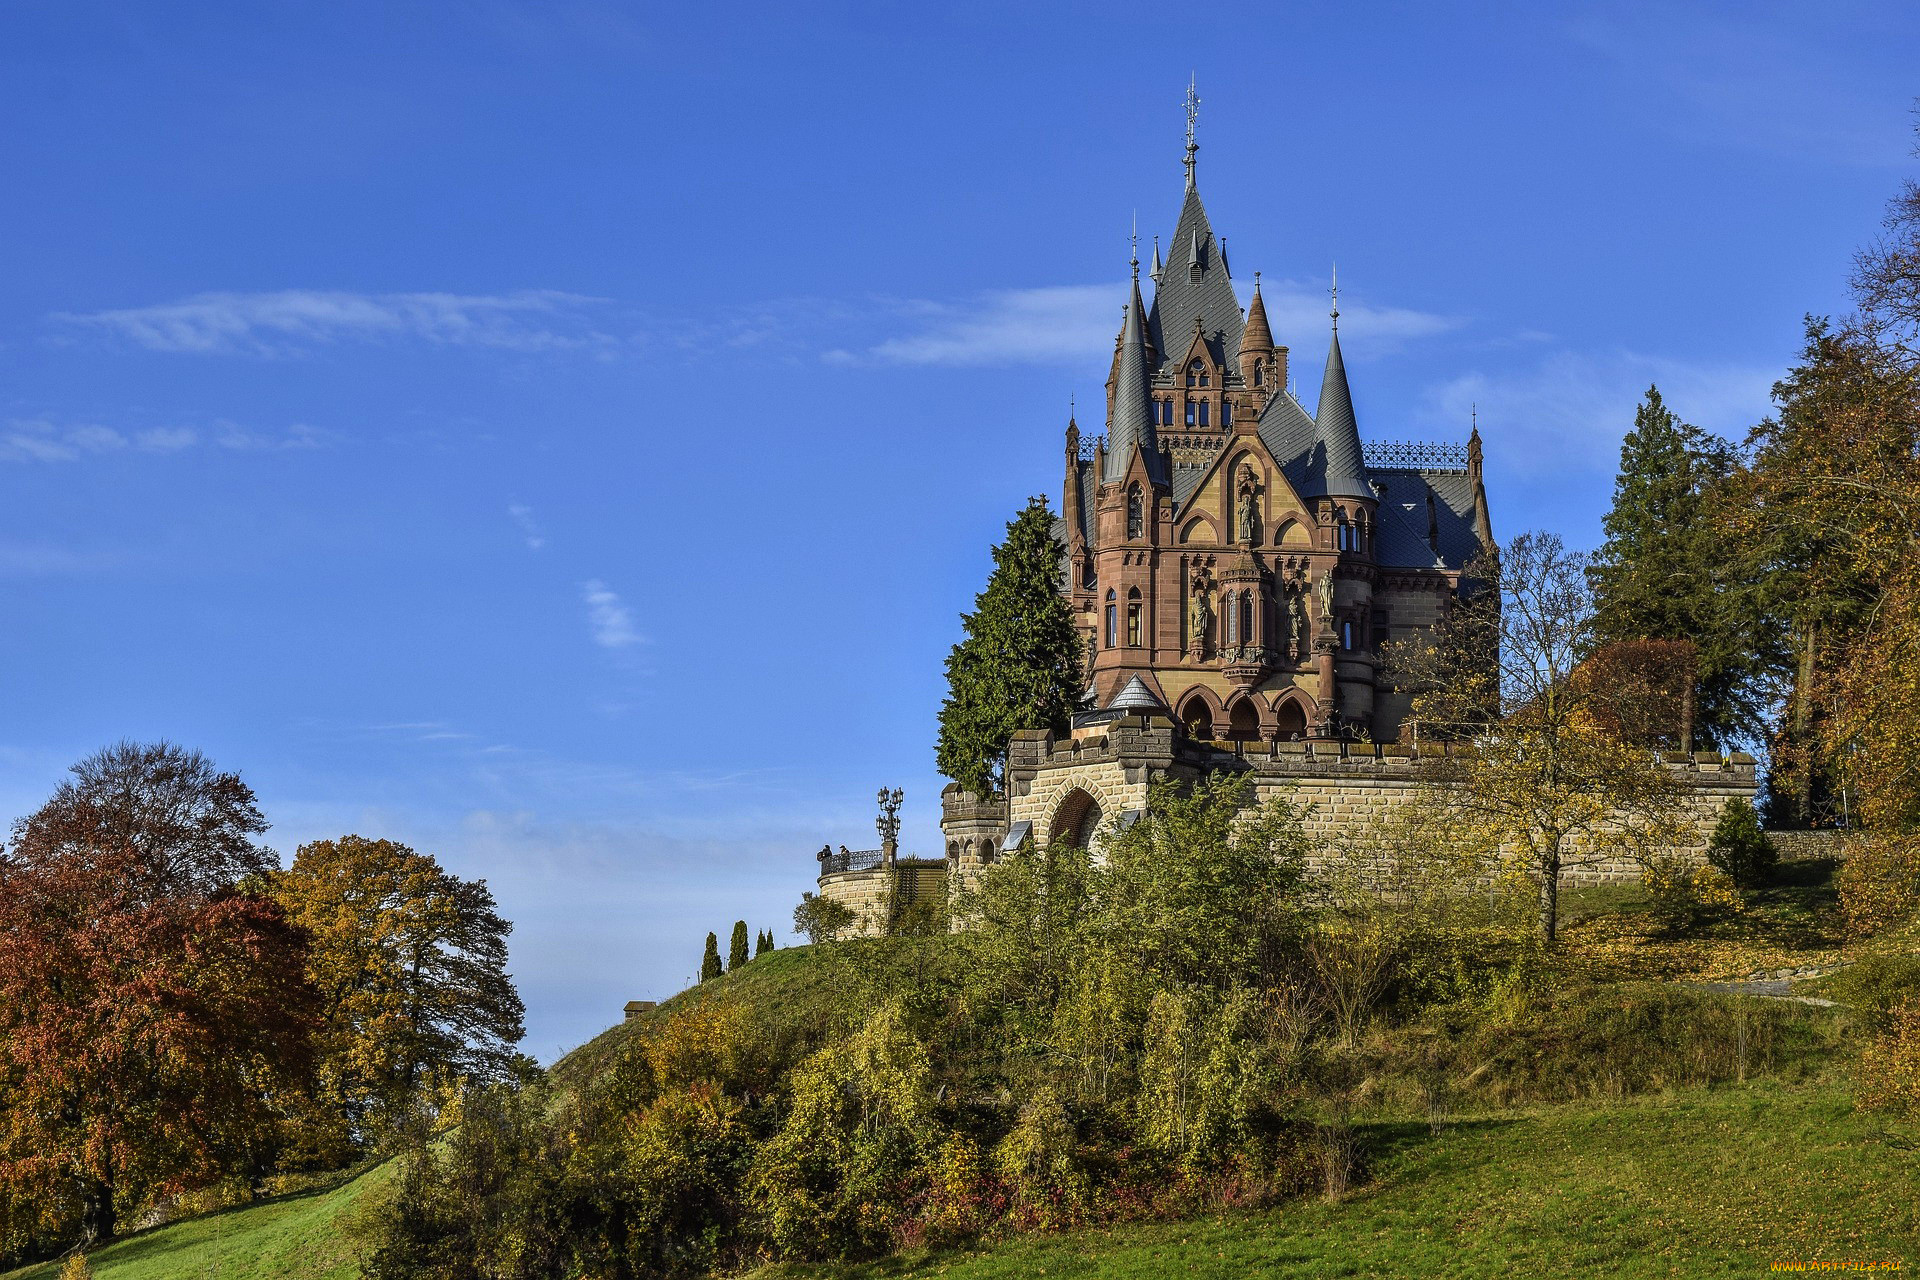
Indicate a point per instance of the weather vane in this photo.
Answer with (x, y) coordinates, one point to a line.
(1193, 114)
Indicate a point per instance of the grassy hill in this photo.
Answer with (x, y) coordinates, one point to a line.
(1710, 1181)
(1720, 1182)
(300, 1236)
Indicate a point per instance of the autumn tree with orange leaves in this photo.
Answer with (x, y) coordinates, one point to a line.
(154, 1010)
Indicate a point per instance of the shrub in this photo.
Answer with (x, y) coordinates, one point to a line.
(1879, 882)
(1039, 1160)
(1876, 986)
(1889, 1072)
(76, 1268)
(1740, 848)
(1683, 891)
(821, 919)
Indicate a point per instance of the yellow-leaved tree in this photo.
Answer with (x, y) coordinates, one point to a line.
(410, 962)
(1534, 770)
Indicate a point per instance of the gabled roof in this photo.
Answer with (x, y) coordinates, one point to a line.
(1178, 298)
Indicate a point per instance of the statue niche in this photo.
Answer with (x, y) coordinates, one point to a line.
(1199, 616)
(1246, 509)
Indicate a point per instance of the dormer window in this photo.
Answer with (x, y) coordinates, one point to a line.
(1259, 373)
(1193, 273)
(1195, 373)
(1136, 514)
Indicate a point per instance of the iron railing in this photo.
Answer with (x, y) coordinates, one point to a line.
(1415, 455)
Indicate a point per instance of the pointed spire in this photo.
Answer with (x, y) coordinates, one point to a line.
(1335, 313)
(1193, 249)
(1154, 274)
(1345, 471)
(1132, 408)
(1223, 256)
(1258, 338)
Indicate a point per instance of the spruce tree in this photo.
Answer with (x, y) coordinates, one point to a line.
(1019, 665)
(1663, 572)
(710, 962)
(737, 946)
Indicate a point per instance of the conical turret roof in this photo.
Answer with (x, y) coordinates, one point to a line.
(1343, 468)
(1132, 407)
(1257, 337)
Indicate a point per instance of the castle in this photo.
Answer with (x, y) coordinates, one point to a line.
(1235, 565)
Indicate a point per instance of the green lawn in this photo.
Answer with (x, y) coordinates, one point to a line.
(299, 1236)
(1701, 1183)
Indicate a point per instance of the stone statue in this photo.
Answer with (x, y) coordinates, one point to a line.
(1200, 615)
(1326, 595)
(1296, 624)
(1246, 512)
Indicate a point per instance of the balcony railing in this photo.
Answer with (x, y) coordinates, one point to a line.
(1414, 455)
(832, 860)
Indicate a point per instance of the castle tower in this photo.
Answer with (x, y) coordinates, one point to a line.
(1240, 558)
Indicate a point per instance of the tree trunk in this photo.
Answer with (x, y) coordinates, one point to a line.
(97, 1222)
(1550, 898)
(1687, 698)
(1802, 729)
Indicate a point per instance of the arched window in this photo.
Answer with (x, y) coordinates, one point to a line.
(1343, 535)
(1246, 615)
(1259, 373)
(1233, 626)
(1193, 374)
(1133, 620)
(1136, 513)
(1204, 407)
(1088, 578)
(1113, 618)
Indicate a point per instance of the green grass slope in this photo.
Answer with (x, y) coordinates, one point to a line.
(1704, 1183)
(300, 1236)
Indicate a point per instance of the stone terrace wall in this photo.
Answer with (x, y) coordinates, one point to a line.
(1341, 785)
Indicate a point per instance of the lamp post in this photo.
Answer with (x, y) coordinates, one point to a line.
(889, 824)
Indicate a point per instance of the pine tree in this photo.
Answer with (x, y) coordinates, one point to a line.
(1019, 665)
(762, 943)
(1663, 572)
(710, 962)
(737, 946)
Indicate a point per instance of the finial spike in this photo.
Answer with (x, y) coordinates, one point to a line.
(1134, 242)
(1193, 114)
(1335, 291)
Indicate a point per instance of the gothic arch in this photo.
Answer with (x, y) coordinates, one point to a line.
(1293, 534)
(1076, 819)
(1243, 720)
(1198, 529)
(1201, 714)
(1294, 714)
(986, 852)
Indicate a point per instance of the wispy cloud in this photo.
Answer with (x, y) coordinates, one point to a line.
(609, 619)
(1062, 324)
(39, 560)
(44, 440)
(292, 320)
(1572, 409)
(522, 517)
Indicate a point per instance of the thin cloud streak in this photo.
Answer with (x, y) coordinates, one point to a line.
(1062, 324)
(44, 440)
(291, 320)
(522, 517)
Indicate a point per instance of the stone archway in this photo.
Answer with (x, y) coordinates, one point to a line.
(1076, 819)
(1292, 720)
(1243, 721)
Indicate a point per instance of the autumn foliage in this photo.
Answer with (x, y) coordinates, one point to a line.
(154, 1009)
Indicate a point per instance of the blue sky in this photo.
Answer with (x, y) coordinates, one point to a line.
(563, 435)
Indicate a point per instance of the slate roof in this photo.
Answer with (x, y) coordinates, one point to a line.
(1178, 298)
(1132, 408)
(1343, 468)
(1401, 540)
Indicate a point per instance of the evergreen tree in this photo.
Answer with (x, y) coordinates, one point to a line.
(763, 943)
(737, 946)
(1019, 665)
(710, 962)
(1663, 572)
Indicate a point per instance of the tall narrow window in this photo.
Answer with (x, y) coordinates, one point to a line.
(1133, 625)
(1226, 413)
(1136, 514)
(1233, 625)
(1204, 406)
(1346, 635)
(1259, 373)
(1246, 615)
(1190, 412)
(1113, 618)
